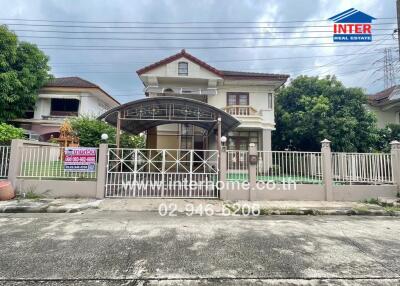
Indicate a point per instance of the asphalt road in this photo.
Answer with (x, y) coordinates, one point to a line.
(137, 248)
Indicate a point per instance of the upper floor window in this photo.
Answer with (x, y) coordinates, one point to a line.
(237, 98)
(182, 68)
(64, 107)
(270, 101)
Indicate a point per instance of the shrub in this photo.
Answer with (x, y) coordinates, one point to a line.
(9, 132)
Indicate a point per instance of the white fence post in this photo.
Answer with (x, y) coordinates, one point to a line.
(14, 166)
(327, 169)
(223, 163)
(252, 171)
(395, 152)
(102, 167)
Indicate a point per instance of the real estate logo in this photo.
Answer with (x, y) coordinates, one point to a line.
(352, 26)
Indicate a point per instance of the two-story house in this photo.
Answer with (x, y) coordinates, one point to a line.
(61, 98)
(386, 106)
(247, 96)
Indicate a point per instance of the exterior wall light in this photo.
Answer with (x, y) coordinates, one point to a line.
(104, 137)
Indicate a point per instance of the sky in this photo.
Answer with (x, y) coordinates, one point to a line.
(268, 36)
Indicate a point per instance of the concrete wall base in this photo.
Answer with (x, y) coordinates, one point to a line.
(352, 193)
(57, 188)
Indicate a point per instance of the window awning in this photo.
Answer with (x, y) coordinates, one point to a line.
(141, 115)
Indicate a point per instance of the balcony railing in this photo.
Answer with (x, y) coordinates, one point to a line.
(240, 110)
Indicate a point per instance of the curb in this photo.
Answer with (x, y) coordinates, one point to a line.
(315, 212)
(47, 208)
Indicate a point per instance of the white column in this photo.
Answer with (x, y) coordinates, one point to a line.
(266, 140)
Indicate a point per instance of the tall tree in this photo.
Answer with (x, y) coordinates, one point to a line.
(311, 109)
(23, 70)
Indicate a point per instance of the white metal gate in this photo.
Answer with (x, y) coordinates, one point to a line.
(4, 160)
(162, 173)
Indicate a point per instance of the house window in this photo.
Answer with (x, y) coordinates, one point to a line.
(64, 107)
(241, 140)
(270, 101)
(237, 98)
(182, 68)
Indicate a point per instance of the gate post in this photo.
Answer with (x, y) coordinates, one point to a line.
(222, 184)
(395, 152)
(102, 171)
(252, 165)
(327, 169)
(14, 165)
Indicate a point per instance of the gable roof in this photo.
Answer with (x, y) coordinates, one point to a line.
(383, 96)
(352, 16)
(75, 82)
(220, 73)
(172, 58)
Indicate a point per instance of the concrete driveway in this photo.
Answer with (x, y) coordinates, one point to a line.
(142, 248)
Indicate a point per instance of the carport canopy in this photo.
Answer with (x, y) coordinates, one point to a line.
(140, 115)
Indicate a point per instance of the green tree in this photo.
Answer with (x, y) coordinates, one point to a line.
(386, 135)
(23, 71)
(9, 132)
(311, 109)
(89, 131)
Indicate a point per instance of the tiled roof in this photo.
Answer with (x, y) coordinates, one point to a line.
(75, 82)
(70, 82)
(382, 96)
(253, 75)
(172, 58)
(227, 74)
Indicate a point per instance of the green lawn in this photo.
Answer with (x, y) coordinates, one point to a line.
(277, 179)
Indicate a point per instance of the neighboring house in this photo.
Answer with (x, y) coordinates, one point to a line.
(62, 98)
(386, 106)
(247, 96)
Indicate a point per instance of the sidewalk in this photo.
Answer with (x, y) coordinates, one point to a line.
(198, 206)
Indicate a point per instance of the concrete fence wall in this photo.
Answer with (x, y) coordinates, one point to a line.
(51, 185)
(325, 189)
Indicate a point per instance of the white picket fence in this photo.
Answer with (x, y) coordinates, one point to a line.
(362, 168)
(46, 162)
(237, 165)
(4, 160)
(284, 166)
(307, 167)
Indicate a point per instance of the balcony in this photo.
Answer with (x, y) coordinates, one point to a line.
(241, 110)
(248, 116)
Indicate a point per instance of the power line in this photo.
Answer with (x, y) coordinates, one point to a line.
(220, 61)
(154, 48)
(181, 39)
(179, 27)
(168, 23)
(180, 33)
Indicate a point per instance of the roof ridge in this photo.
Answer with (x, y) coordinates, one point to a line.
(210, 68)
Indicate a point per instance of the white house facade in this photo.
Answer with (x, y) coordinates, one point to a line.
(62, 98)
(249, 97)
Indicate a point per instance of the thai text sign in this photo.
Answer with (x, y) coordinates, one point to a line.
(80, 159)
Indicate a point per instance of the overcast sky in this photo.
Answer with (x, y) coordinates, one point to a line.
(114, 67)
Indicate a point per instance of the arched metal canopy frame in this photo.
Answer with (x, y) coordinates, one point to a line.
(140, 115)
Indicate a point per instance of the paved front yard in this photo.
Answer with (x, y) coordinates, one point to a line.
(142, 248)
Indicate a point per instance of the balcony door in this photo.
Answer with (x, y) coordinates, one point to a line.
(236, 100)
